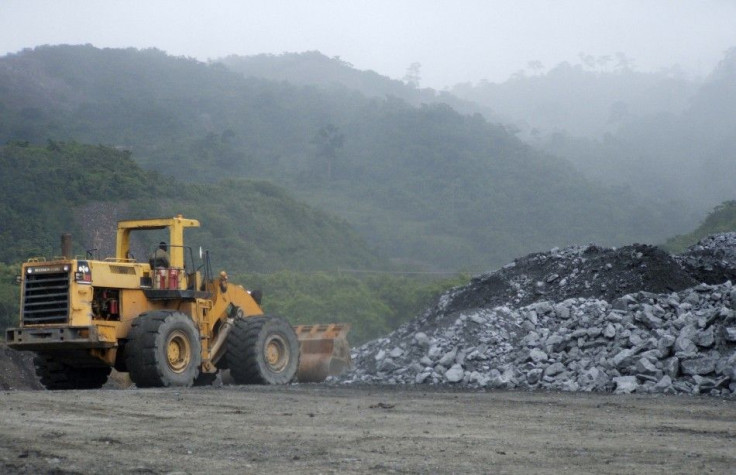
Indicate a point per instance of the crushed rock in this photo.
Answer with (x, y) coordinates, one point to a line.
(16, 369)
(712, 260)
(634, 319)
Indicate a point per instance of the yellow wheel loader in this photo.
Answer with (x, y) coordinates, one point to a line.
(167, 322)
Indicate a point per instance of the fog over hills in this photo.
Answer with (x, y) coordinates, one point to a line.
(450, 42)
(606, 85)
(425, 185)
(665, 134)
(685, 150)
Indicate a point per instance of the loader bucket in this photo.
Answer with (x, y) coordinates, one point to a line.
(324, 351)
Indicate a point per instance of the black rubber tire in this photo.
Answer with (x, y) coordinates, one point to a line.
(205, 379)
(147, 352)
(248, 343)
(55, 374)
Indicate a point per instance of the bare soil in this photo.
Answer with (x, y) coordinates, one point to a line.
(336, 429)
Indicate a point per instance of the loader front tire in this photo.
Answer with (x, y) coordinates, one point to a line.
(55, 374)
(163, 349)
(262, 350)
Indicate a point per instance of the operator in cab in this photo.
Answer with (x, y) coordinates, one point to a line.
(160, 257)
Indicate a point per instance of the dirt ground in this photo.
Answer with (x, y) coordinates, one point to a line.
(329, 429)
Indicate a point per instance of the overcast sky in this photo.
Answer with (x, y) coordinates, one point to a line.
(454, 41)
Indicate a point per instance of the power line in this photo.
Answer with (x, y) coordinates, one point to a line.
(362, 271)
(341, 270)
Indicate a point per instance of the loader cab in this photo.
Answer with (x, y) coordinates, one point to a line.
(175, 227)
(177, 272)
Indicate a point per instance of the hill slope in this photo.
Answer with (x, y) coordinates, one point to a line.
(312, 68)
(721, 220)
(581, 100)
(661, 134)
(248, 225)
(426, 184)
(255, 230)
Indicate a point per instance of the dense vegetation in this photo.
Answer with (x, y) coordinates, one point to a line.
(424, 185)
(722, 219)
(9, 297)
(248, 225)
(374, 304)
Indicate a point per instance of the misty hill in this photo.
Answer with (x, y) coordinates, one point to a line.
(581, 100)
(425, 185)
(248, 225)
(312, 68)
(687, 155)
(662, 134)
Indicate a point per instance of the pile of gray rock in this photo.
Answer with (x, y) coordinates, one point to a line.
(567, 320)
(712, 260)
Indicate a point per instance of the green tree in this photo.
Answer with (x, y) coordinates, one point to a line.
(328, 141)
(413, 75)
(722, 219)
(9, 296)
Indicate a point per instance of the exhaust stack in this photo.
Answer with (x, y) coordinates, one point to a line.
(66, 245)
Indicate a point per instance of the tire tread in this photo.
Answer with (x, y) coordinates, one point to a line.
(244, 354)
(143, 357)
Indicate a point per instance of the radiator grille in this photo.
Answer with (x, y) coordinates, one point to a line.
(46, 298)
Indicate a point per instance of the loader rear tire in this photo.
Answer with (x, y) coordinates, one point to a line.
(163, 350)
(55, 374)
(262, 350)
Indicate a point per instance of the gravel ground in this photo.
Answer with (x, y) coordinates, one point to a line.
(328, 429)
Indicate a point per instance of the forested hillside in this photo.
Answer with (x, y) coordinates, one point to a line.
(426, 185)
(312, 68)
(248, 225)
